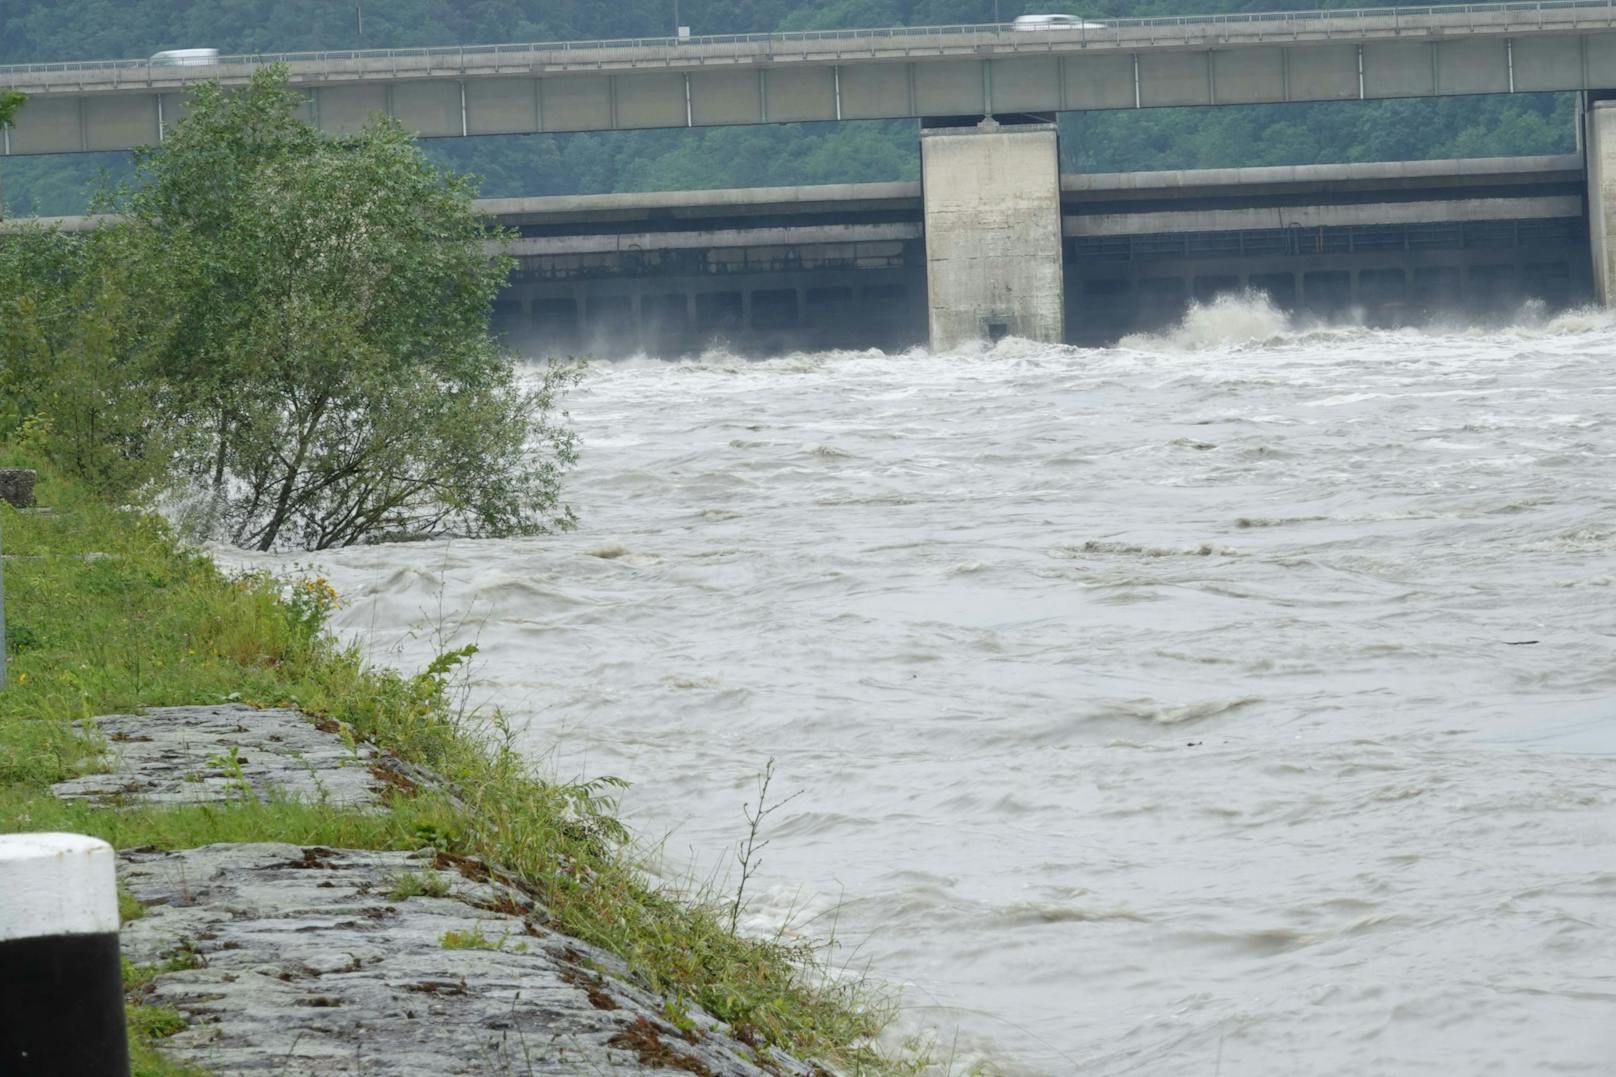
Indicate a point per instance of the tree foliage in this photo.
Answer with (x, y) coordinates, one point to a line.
(304, 320)
(10, 102)
(79, 337)
(32, 30)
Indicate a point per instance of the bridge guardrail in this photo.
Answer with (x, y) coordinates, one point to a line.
(1112, 30)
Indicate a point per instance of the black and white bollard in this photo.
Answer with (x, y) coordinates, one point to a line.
(61, 987)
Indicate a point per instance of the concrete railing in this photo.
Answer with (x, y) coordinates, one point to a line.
(1521, 16)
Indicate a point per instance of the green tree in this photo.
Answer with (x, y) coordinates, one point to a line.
(10, 102)
(80, 337)
(329, 359)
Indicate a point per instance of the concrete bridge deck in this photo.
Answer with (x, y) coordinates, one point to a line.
(1246, 58)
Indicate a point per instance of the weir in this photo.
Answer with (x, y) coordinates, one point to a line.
(1392, 242)
(863, 265)
(760, 270)
(769, 270)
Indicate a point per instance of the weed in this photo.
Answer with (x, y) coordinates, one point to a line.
(20, 638)
(419, 884)
(749, 849)
(153, 1022)
(469, 940)
(147, 1024)
(129, 907)
(231, 763)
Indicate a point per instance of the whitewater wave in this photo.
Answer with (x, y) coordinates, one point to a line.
(1232, 318)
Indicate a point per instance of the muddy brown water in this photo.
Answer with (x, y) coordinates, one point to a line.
(1240, 700)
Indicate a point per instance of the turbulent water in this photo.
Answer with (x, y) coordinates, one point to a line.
(1239, 700)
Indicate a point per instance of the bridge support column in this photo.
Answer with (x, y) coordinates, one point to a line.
(993, 233)
(1599, 146)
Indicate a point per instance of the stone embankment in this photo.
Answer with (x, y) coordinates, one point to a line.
(308, 960)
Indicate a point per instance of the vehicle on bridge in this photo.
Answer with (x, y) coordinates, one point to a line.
(185, 58)
(1054, 22)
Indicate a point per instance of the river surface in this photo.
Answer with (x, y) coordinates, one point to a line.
(1200, 705)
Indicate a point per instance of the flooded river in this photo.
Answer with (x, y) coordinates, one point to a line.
(1200, 705)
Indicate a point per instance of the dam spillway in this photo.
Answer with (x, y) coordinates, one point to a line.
(777, 269)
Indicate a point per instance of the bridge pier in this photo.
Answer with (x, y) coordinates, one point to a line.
(1599, 146)
(991, 198)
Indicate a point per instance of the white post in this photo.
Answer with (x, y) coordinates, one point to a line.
(61, 988)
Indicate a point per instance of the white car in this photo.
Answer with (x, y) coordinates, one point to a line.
(1054, 22)
(185, 58)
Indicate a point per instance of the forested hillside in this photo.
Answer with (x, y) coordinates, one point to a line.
(38, 30)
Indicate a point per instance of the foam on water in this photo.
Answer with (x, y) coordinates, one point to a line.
(1236, 699)
(1231, 318)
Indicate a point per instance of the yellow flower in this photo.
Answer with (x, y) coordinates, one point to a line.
(22, 678)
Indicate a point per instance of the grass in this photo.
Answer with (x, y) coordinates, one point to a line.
(419, 884)
(475, 940)
(107, 613)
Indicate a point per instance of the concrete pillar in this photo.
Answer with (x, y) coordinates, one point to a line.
(993, 233)
(1600, 148)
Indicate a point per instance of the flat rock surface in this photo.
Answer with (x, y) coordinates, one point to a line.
(189, 755)
(314, 961)
(294, 960)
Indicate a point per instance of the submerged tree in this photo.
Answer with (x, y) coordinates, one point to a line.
(331, 363)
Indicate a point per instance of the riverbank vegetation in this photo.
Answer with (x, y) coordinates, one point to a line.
(107, 613)
(288, 329)
(513, 166)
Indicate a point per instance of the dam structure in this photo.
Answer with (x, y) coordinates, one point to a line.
(771, 270)
(849, 266)
(993, 241)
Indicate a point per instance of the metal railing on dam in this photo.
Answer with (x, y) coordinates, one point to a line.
(725, 79)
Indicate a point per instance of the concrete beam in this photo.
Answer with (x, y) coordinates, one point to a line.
(1321, 216)
(833, 197)
(1367, 175)
(704, 239)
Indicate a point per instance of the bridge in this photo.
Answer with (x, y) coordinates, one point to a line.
(993, 225)
(862, 74)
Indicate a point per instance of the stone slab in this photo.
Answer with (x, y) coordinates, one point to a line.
(182, 755)
(311, 961)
